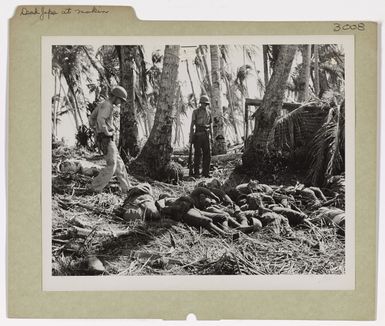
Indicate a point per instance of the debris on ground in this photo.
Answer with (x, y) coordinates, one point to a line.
(295, 229)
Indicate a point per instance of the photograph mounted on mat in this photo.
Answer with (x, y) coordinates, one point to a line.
(175, 164)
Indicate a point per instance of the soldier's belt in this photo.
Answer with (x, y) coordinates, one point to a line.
(101, 136)
(202, 128)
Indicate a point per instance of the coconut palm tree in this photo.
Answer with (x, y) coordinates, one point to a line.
(75, 66)
(199, 68)
(316, 70)
(327, 150)
(270, 107)
(266, 74)
(191, 83)
(98, 67)
(327, 73)
(304, 76)
(153, 78)
(202, 51)
(219, 141)
(231, 98)
(181, 107)
(73, 63)
(325, 153)
(156, 153)
(331, 69)
(56, 99)
(108, 57)
(240, 80)
(128, 142)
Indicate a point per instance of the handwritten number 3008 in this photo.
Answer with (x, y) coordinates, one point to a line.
(349, 27)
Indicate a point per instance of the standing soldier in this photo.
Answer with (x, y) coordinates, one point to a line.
(201, 136)
(101, 120)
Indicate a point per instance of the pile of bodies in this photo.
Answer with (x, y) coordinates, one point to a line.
(247, 208)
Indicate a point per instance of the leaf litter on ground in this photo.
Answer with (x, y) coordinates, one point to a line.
(85, 228)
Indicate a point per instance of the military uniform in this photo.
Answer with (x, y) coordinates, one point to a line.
(202, 122)
(101, 120)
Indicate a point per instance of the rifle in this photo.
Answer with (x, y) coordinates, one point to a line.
(190, 162)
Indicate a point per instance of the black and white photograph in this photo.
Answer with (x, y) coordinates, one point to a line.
(198, 158)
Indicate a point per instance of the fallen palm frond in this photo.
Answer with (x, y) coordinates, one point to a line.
(289, 129)
(327, 149)
(88, 239)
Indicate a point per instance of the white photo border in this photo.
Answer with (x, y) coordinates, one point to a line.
(344, 281)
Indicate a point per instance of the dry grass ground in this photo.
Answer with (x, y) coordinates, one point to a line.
(85, 227)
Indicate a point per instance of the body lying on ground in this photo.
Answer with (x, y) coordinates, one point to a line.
(139, 204)
(208, 206)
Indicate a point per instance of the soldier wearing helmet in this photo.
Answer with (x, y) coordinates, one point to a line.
(101, 120)
(201, 135)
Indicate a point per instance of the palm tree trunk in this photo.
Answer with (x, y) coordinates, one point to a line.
(71, 104)
(128, 115)
(156, 153)
(303, 94)
(324, 84)
(57, 106)
(182, 136)
(228, 97)
(177, 117)
(191, 83)
(219, 141)
(207, 70)
(73, 99)
(54, 108)
(150, 118)
(265, 65)
(233, 118)
(101, 72)
(270, 108)
(143, 126)
(201, 84)
(231, 102)
(316, 70)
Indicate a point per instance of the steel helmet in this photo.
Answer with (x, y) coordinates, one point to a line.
(120, 92)
(204, 99)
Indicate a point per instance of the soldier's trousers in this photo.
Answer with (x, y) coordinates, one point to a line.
(115, 166)
(202, 147)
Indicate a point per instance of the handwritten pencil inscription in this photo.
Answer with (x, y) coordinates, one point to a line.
(48, 13)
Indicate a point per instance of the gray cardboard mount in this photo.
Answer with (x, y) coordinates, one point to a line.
(25, 296)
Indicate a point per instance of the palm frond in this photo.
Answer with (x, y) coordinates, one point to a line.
(327, 151)
(242, 73)
(288, 130)
(260, 85)
(197, 61)
(332, 97)
(337, 147)
(156, 57)
(252, 52)
(318, 148)
(191, 101)
(331, 51)
(140, 103)
(141, 66)
(334, 70)
(224, 49)
(204, 48)
(273, 52)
